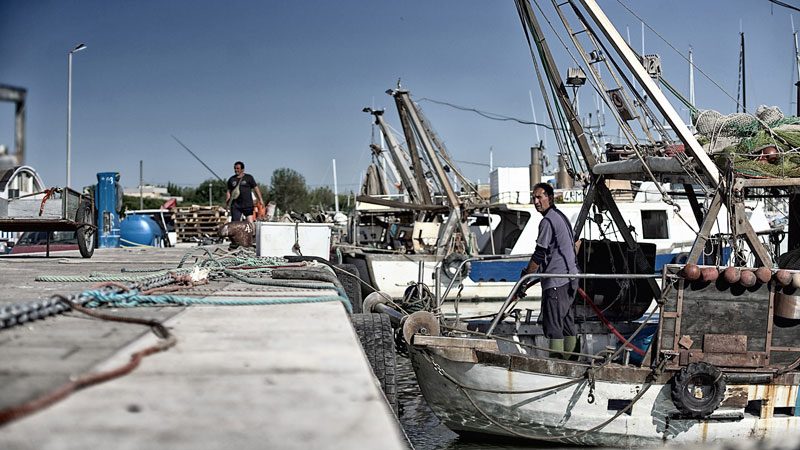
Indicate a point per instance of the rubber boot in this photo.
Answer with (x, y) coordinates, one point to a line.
(571, 345)
(556, 347)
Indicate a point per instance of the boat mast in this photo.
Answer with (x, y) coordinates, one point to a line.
(409, 182)
(598, 192)
(708, 167)
(413, 128)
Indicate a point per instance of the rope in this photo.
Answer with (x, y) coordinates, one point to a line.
(97, 276)
(167, 340)
(96, 298)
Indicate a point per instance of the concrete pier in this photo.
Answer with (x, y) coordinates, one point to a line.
(276, 376)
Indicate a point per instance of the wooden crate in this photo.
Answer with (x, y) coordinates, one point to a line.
(196, 222)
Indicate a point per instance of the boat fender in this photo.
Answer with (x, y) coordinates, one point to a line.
(373, 299)
(451, 263)
(698, 389)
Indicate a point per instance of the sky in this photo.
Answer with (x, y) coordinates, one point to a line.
(282, 84)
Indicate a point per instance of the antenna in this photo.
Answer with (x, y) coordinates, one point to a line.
(196, 157)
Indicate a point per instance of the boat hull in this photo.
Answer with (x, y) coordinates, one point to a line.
(567, 414)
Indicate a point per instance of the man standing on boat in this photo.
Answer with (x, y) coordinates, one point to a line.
(239, 196)
(555, 253)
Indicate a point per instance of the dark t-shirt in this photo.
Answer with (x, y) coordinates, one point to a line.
(245, 199)
(555, 235)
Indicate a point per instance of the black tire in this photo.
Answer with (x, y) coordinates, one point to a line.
(377, 338)
(85, 235)
(698, 376)
(451, 264)
(351, 285)
(363, 272)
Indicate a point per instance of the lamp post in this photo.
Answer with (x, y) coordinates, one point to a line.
(69, 105)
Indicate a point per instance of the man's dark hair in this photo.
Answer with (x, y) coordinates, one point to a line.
(239, 163)
(546, 187)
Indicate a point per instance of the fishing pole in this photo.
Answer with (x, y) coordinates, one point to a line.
(196, 157)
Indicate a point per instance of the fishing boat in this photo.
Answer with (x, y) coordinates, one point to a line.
(705, 351)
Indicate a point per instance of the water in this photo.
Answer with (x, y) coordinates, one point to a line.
(426, 432)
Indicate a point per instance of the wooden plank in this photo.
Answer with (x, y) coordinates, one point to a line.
(440, 341)
(725, 343)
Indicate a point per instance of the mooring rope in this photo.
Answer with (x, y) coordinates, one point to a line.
(97, 298)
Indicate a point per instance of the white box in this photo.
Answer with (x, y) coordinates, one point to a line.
(278, 238)
(510, 185)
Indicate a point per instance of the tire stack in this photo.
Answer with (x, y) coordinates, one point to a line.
(350, 284)
(377, 338)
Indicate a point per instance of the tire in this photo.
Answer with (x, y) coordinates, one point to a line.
(85, 235)
(451, 264)
(377, 338)
(351, 285)
(698, 376)
(363, 272)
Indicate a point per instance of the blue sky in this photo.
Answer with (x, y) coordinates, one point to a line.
(282, 83)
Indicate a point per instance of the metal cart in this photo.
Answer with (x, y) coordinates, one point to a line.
(55, 209)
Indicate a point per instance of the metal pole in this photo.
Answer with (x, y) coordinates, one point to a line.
(69, 112)
(141, 185)
(335, 188)
(209, 194)
(69, 106)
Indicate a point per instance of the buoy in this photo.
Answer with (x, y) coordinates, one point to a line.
(783, 277)
(796, 280)
(763, 275)
(691, 272)
(731, 275)
(139, 231)
(768, 154)
(709, 274)
(747, 278)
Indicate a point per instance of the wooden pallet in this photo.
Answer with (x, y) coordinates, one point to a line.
(195, 222)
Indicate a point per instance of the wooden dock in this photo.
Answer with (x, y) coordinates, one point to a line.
(289, 376)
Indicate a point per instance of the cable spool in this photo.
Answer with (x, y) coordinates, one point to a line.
(421, 322)
(452, 262)
(698, 389)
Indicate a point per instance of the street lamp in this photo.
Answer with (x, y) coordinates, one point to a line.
(69, 104)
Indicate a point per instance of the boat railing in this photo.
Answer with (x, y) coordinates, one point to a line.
(457, 275)
(594, 276)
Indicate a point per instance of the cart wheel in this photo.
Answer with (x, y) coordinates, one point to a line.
(85, 234)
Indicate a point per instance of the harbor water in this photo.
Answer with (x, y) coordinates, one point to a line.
(426, 432)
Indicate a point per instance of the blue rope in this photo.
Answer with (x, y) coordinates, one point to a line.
(96, 298)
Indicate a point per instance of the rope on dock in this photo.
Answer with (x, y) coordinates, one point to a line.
(167, 340)
(97, 298)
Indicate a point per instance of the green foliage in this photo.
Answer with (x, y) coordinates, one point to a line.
(288, 191)
(130, 202)
(199, 195)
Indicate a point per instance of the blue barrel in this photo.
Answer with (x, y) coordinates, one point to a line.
(139, 231)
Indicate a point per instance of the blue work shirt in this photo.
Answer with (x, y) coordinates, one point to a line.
(555, 236)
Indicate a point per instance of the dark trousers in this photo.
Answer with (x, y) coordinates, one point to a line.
(237, 213)
(557, 317)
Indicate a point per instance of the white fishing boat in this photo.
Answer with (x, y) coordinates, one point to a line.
(706, 353)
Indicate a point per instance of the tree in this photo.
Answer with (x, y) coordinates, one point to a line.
(288, 190)
(130, 203)
(321, 199)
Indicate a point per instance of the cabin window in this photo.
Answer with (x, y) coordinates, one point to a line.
(654, 224)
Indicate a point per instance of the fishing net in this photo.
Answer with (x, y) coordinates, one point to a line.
(747, 137)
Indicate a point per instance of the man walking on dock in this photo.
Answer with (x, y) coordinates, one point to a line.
(239, 196)
(555, 253)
